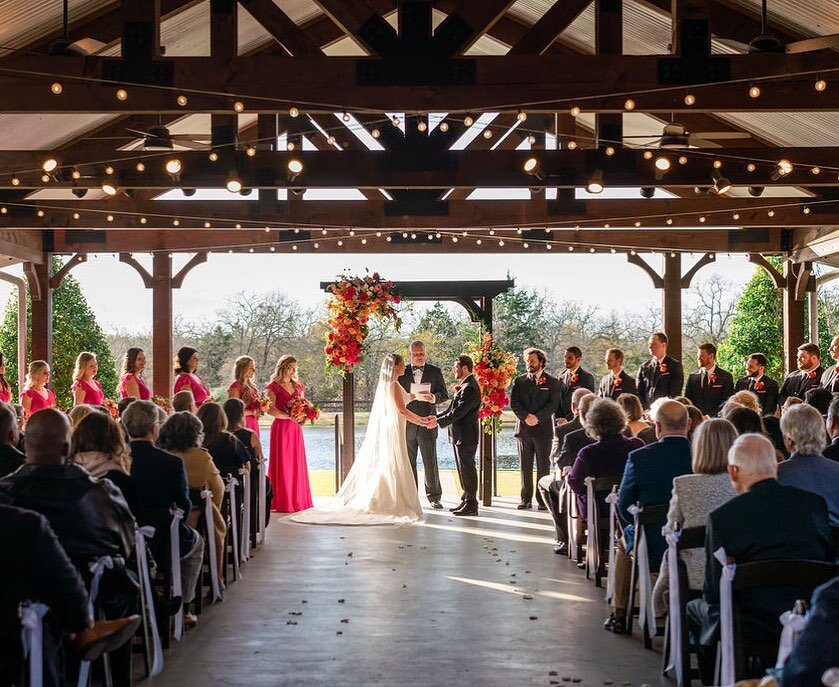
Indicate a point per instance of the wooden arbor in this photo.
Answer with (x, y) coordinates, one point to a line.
(477, 298)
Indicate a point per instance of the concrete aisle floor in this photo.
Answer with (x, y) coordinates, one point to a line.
(444, 603)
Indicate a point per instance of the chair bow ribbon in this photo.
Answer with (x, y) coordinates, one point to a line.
(32, 638)
(260, 515)
(230, 488)
(207, 495)
(97, 568)
(175, 568)
(793, 624)
(646, 616)
(672, 537)
(729, 570)
(593, 542)
(140, 537)
(612, 500)
(245, 545)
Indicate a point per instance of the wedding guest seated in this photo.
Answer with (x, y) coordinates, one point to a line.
(606, 457)
(576, 440)
(648, 479)
(552, 487)
(684, 400)
(772, 425)
(181, 435)
(21, 421)
(89, 516)
(10, 458)
(35, 568)
(234, 409)
(123, 403)
(184, 400)
(631, 405)
(746, 420)
(766, 521)
(807, 468)
(816, 649)
(789, 403)
(832, 426)
(694, 496)
(229, 454)
(648, 434)
(819, 398)
(749, 399)
(160, 478)
(79, 412)
(696, 418)
(98, 446)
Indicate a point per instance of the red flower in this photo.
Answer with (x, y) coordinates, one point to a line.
(759, 385)
(542, 380)
(574, 378)
(712, 377)
(662, 367)
(811, 374)
(618, 381)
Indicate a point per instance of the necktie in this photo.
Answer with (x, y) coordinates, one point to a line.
(704, 379)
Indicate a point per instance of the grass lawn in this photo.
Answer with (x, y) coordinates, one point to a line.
(323, 482)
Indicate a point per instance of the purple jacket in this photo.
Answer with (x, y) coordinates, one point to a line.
(603, 458)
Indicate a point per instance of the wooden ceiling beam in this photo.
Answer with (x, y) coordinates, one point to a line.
(362, 21)
(289, 35)
(466, 23)
(543, 34)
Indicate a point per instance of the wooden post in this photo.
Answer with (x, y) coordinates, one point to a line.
(40, 293)
(486, 461)
(671, 303)
(162, 352)
(348, 449)
(794, 315)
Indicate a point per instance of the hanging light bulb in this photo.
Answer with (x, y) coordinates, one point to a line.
(521, 116)
(395, 120)
(375, 133)
(444, 126)
(293, 111)
(690, 99)
(109, 187)
(140, 167)
(56, 88)
(662, 163)
(233, 184)
(595, 183)
(330, 140)
(173, 167)
(15, 181)
(109, 170)
(821, 85)
(572, 145)
(629, 104)
(50, 164)
(346, 116)
(721, 184)
(609, 151)
(182, 100)
(421, 126)
(751, 167)
(251, 151)
(487, 134)
(754, 91)
(575, 111)
(122, 94)
(468, 120)
(238, 106)
(295, 166)
(531, 139)
(213, 156)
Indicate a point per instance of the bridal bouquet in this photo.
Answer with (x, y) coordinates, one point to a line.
(112, 407)
(353, 301)
(302, 410)
(494, 371)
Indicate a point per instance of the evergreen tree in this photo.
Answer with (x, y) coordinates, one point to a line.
(74, 330)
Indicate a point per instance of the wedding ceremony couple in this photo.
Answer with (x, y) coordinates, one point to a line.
(382, 485)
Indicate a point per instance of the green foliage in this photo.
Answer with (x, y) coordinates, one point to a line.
(757, 326)
(445, 335)
(74, 330)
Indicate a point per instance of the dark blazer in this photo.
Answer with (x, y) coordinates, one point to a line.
(815, 474)
(817, 647)
(654, 382)
(648, 478)
(584, 380)
(572, 444)
(10, 459)
(160, 480)
(799, 383)
(539, 399)
(608, 388)
(431, 374)
(560, 432)
(604, 458)
(830, 379)
(768, 521)
(461, 417)
(832, 450)
(718, 390)
(766, 390)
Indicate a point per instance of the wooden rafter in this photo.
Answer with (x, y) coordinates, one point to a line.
(543, 34)
(289, 35)
(462, 28)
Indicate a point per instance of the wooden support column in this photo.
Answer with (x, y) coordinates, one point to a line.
(608, 40)
(161, 327)
(348, 450)
(671, 303)
(40, 294)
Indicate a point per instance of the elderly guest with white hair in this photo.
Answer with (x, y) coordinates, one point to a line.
(805, 438)
(765, 521)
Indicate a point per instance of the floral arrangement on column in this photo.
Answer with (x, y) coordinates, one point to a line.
(353, 301)
(495, 369)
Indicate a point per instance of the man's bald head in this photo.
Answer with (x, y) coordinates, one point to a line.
(48, 435)
(671, 418)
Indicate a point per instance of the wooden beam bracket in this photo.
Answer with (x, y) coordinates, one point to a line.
(777, 278)
(688, 276)
(145, 275)
(58, 277)
(804, 280)
(194, 261)
(635, 259)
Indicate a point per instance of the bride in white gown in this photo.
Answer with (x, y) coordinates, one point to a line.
(380, 487)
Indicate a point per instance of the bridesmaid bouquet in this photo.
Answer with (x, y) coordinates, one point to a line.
(303, 410)
(112, 407)
(162, 401)
(264, 405)
(494, 371)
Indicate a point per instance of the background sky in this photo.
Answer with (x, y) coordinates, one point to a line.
(120, 301)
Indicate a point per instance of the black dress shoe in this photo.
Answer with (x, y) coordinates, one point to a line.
(562, 547)
(616, 624)
(436, 505)
(524, 506)
(468, 510)
(458, 506)
(542, 506)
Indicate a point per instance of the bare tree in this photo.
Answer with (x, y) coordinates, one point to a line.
(707, 316)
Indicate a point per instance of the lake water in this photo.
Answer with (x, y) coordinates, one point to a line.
(320, 448)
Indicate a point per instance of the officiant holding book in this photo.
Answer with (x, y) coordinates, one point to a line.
(426, 383)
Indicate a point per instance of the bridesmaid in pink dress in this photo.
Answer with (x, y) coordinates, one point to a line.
(243, 387)
(5, 389)
(85, 387)
(287, 468)
(186, 362)
(36, 396)
(131, 382)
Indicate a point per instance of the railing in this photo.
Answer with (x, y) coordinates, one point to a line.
(338, 447)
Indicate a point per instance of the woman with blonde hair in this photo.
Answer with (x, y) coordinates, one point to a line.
(131, 382)
(85, 388)
(747, 398)
(36, 396)
(243, 388)
(696, 495)
(287, 467)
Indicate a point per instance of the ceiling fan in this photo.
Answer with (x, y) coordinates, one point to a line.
(64, 46)
(766, 42)
(676, 136)
(158, 137)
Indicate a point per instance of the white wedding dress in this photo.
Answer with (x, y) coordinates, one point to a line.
(380, 487)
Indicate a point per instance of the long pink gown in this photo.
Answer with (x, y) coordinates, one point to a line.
(5, 393)
(287, 468)
(199, 391)
(145, 392)
(93, 394)
(251, 400)
(39, 402)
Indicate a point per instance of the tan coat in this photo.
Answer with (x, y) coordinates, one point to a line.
(201, 473)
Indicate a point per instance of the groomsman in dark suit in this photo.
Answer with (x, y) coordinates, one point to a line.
(534, 399)
(808, 376)
(574, 377)
(617, 382)
(830, 377)
(660, 377)
(765, 388)
(461, 417)
(419, 438)
(711, 386)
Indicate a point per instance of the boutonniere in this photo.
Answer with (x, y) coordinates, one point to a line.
(542, 380)
(662, 367)
(618, 381)
(712, 377)
(574, 378)
(811, 374)
(457, 387)
(759, 385)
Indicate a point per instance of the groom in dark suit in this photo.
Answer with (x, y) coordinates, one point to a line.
(534, 399)
(461, 417)
(419, 438)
